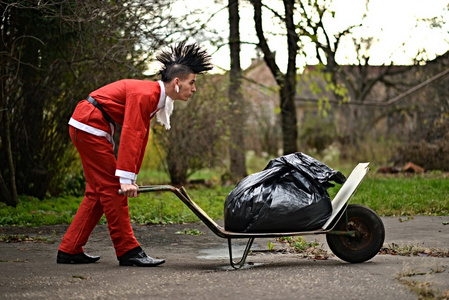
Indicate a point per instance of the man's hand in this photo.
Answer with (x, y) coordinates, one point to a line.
(129, 190)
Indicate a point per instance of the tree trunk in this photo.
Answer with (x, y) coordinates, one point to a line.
(289, 120)
(286, 82)
(288, 90)
(237, 104)
(5, 130)
(5, 195)
(10, 198)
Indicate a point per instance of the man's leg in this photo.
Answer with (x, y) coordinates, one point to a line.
(99, 165)
(86, 218)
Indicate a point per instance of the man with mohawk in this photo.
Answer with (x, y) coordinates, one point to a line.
(132, 104)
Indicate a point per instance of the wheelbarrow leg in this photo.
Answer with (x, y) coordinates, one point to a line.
(239, 264)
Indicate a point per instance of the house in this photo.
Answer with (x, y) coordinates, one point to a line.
(361, 103)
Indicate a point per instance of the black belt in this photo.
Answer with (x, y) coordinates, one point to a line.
(97, 105)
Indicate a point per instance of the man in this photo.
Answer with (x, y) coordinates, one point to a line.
(132, 104)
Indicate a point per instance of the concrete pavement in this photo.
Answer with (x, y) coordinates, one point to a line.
(197, 267)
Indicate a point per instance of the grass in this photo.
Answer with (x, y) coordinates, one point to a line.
(25, 238)
(417, 282)
(414, 250)
(388, 195)
(33, 212)
(405, 195)
(166, 208)
(189, 231)
(148, 208)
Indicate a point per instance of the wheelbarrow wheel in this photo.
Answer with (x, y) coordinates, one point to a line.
(369, 234)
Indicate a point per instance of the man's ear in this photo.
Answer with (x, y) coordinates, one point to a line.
(176, 84)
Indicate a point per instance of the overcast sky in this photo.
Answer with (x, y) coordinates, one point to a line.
(392, 22)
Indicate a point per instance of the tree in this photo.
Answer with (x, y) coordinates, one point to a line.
(53, 54)
(369, 94)
(287, 81)
(236, 101)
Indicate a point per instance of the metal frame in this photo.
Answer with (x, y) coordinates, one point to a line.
(339, 203)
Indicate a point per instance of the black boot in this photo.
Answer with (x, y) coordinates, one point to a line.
(138, 258)
(79, 258)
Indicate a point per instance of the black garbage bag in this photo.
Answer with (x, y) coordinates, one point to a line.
(289, 195)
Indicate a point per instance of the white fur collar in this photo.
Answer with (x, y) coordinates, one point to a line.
(163, 115)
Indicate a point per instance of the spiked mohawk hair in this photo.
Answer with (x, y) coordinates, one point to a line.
(183, 60)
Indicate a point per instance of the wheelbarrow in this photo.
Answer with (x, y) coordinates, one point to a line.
(354, 233)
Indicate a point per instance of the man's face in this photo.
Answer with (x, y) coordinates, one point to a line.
(187, 87)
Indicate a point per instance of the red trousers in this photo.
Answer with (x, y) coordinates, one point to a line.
(101, 196)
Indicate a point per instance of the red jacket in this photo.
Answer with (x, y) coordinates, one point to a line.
(130, 103)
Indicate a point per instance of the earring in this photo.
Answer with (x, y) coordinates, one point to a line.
(177, 89)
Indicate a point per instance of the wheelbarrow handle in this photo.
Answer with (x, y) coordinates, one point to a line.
(120, 192)
(139, 190)
(154, 188)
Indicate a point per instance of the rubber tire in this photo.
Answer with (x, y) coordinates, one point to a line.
(368, 224)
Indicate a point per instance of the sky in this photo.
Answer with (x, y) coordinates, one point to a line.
(392, 23)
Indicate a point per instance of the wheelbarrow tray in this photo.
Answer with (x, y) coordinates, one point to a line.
(339, 203)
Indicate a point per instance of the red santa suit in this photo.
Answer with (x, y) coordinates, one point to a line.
(130, 103)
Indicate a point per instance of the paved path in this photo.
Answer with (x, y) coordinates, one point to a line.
(197, 267)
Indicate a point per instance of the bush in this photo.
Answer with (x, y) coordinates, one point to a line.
(430, 156)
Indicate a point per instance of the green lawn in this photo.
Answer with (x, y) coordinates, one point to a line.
(397, 196)
(387, 195)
